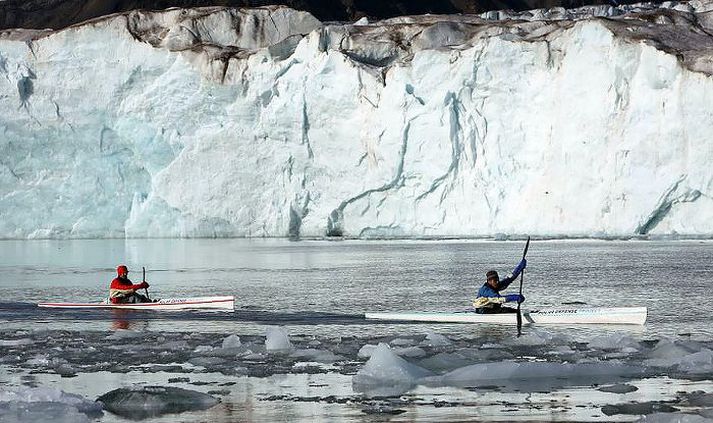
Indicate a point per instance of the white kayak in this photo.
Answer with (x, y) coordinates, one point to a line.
(555, 316)
(198, 303)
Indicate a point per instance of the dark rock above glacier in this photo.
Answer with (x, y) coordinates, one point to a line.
(56, 14)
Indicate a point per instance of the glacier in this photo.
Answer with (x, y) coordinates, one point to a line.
(265, 122)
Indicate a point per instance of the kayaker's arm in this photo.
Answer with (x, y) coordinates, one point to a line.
(514, 298)
(118, 289)
(131, 287)
(506, 281)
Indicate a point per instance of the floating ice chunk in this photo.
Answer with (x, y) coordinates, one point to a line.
(172, 346)
(366, 351)
(124, 334)
(491, 345)
(697, 362)
(699, 399)
(277, 339)
(10, 359)
(46, 404)
(412, 352)
(14, 342)
(538, 337)
(254, 356)
(489, 354)
(613, 341)
(672, 418)
(667, 349)
(149, 401)
(320, 356)
(38, 360)
(232, 341)
(240, 351)
(382, 409)
(386, 368)
(621, 388)
(506, 370)
(444, 361)
(206, 361)
(561, 350)
(638, 408)
(362, 21)
(203, 349)
(49, 395)
(66, 370)
(20, 412)
(401, 342)
(435, 340)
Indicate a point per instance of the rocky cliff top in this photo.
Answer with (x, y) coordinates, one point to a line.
(56, 14)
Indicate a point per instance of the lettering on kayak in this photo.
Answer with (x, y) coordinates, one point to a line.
(566, 311)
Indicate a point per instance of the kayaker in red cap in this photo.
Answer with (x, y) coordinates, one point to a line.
(122, 290)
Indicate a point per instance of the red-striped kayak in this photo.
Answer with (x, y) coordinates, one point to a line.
(198, 303)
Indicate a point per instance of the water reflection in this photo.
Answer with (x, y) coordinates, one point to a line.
(123, 320)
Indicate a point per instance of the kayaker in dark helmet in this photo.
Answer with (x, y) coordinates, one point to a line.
(489, 299)
(122, 290)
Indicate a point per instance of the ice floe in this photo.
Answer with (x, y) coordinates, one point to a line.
(46, 404)
(385, 371)
(148, 401)
(277, 339)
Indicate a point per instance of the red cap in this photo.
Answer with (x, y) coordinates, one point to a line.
(122, 269)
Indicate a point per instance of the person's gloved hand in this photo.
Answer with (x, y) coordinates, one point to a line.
(514, 298)
(520, 267)
(143, 285)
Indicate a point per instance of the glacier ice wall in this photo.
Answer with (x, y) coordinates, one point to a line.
(266, 122)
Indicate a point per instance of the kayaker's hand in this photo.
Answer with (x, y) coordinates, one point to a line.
(514, 298)
(143, 285)
(520, 267)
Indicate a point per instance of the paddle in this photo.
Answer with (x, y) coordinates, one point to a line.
(522, 277)
(143, 279)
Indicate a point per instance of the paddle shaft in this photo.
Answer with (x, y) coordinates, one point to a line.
(143, 279)
(522, 278)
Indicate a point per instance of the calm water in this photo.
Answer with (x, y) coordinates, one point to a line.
(321, 282)
(318, 291)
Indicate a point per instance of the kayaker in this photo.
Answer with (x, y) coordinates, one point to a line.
(122, 290)
(489, 299)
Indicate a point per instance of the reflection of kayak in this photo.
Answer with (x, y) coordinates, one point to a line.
(620, 315)
(220, 303)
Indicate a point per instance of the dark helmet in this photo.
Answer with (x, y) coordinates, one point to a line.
(492, 274)
(122, 269)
